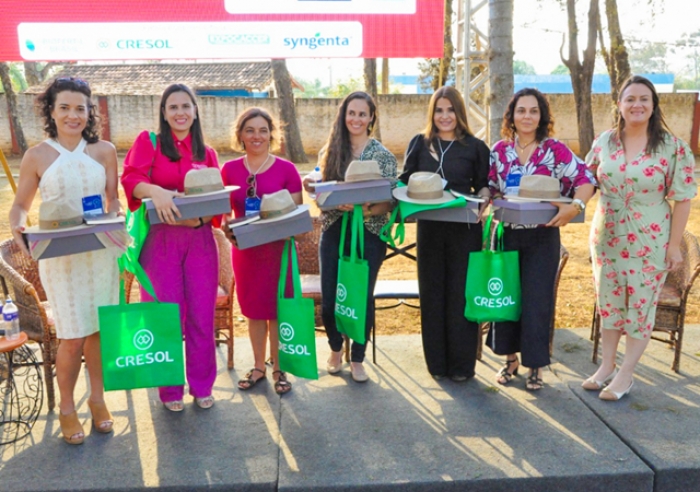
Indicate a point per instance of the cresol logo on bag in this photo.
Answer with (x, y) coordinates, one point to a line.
(143, 340)
(495, 288)
(340, 295)
(286, 336)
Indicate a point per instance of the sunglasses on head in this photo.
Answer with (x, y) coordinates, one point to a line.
(250, 181)
(75, 80)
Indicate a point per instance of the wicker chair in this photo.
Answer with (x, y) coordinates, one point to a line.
(223, 315)
(309, 267)
(670, 311)
(563, 259)
(20, 274)
(310, 272)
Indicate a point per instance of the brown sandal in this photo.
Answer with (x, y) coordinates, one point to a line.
(71, 427)
(282, 386)
(102, 420)
(248, 382)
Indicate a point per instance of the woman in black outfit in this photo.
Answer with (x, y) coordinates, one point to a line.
(447, 147)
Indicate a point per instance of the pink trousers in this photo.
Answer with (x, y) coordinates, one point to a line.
(183, 266)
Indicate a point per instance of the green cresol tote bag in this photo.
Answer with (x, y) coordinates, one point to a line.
(353, 281)
(141, 343)
(295, 316)
(493, 282)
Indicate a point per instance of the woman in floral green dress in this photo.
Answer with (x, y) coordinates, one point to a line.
(636, 234)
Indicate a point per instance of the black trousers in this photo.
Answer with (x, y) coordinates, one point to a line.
(375, 251)
(449, 340)
(538, 251)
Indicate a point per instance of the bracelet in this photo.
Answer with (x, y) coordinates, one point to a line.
(201, 223)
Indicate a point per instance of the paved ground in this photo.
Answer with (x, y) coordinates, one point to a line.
(400, 431)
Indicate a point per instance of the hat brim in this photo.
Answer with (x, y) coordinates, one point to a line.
(299, 210)
(227, 189)
(401, 194)
(517, 198)
(37, 230)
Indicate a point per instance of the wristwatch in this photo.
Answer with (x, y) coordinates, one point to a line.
(201, 223)
(578, 203)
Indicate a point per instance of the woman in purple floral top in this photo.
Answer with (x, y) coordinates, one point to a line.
(636, 235)
(527, 149)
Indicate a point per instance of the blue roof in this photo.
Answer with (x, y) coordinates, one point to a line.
(549, 84)
(561, 84)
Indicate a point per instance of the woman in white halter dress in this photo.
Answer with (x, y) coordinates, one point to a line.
(72, 164)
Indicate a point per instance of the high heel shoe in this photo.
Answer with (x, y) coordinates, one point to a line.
(71, 427)
(591, 384)
(102, 420)
(608, 395)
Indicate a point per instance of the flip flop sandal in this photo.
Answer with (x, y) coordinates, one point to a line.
(248, 382)
(282, 386)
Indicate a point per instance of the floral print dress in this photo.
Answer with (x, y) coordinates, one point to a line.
(632, 225)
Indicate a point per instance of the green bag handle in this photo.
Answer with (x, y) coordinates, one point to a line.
(296, 280)
(129, 260)
(400, 234)
(486, 235)
(343, 226)
(358, 234)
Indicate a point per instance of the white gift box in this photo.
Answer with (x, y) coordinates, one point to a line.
(528, 213)
(195, 206)
(261, 231)
(72, 241)
(330, 195)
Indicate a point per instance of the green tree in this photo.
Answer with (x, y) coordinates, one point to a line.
(523, 68)
(311, 89)
(345, 87)
(19, 83)
(11, 96)
(561, 70)
(648, 57)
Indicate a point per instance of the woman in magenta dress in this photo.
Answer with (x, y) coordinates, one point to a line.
(257, 269)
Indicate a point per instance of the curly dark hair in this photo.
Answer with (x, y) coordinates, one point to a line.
(46, 100)
(657, 127)
(249, 114)
(546, 126)
(338, 151)
(165, 134)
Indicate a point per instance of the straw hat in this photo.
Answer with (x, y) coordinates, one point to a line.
(538, 188)
(423, 188)
(278, 206)
(205, 181)
(62, 215)
(362, 171)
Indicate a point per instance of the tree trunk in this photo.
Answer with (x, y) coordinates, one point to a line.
(385, 76)
(500, 64)
(618, 56)
(12, 107)
(582, 73)
(34, 74)
(443, 69)
(288, 116)
(371, 87)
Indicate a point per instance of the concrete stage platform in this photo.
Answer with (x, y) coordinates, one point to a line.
(401, 431)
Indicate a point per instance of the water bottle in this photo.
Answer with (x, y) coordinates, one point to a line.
(10, 315)
(316, 177)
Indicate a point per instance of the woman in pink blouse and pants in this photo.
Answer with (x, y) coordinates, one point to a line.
(179, 256)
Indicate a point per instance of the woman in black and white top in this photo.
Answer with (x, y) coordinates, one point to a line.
(447, 147)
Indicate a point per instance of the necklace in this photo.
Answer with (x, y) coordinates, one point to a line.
(517, 143)
(442, 157)
(362, 151)
(260, 168)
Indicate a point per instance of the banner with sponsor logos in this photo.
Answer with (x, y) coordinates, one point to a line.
(225, 29)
